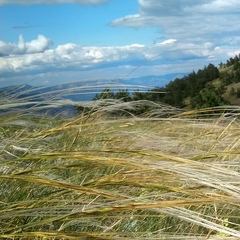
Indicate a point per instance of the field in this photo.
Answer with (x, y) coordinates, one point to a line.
(99, 177)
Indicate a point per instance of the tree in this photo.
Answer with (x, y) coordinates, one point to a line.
(210, 97)
(106, 94)
(221, 65)
(212, 72)
(124, 95)
(175, 92)
(137, 95)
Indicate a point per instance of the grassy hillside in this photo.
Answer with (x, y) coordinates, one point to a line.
(99, 177)
(128, 167)
(208, 87)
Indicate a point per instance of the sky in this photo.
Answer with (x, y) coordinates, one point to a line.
(56, 41)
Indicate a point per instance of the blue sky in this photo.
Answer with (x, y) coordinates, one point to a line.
(56, 41)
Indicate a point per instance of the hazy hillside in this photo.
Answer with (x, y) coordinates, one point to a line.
(62, 98)
(95, 177)
(144, 176)
(85, 90)
(208, 87)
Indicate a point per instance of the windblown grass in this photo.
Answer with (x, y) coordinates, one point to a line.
(99, 177)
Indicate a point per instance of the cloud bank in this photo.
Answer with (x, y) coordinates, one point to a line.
(37, 56)
(39, 45)
(187, 20)
(191, 34)
(29, 2)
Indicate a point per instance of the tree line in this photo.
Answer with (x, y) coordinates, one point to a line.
(195, 90)
(177, 91)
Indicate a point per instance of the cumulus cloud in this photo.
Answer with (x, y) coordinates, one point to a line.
(36, 57)
(28, 2)
(190, 31)
(35, 46)
(187, 20)
(168, 41)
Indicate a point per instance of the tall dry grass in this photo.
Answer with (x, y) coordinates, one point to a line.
(100, 177)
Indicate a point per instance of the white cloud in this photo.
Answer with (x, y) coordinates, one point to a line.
(218, 6)
(35, 55)
(23, 58)
(207, 29)
(35, 46)
(38, 45)
(187, 20)
(168, 41)
(28, 2)
(191, 34)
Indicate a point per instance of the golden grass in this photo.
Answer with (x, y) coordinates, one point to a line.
(95, 177)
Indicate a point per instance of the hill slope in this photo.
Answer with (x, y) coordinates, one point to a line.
(208, 87)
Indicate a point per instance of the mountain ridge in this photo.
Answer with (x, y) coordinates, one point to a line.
(80, 91)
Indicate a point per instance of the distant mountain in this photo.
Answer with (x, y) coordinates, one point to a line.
(84, 91)
(153, 81)
(62, 97)
(208, 87)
